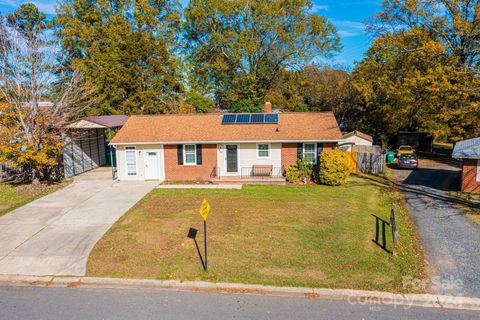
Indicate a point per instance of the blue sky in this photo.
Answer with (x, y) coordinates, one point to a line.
(347, 15)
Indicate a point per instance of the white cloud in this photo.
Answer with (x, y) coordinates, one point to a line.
(319, 7)
(46, 6)
(347, 28)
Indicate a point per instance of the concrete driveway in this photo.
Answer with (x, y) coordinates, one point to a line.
(451, 240)
(55, 234)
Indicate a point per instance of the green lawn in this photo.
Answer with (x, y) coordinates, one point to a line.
(315, 236)
(13, 196)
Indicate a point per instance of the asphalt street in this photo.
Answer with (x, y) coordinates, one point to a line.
(24, 303)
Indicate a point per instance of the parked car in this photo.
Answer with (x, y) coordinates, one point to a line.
(407, 161)
(405, 150)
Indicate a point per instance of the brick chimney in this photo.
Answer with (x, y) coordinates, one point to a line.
(268, 107)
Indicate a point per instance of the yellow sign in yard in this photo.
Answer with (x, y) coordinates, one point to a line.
(205, 209)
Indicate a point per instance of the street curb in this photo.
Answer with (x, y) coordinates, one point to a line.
(361, 297)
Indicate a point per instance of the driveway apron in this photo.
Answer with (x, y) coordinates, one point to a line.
(55, 234)
(451, 240)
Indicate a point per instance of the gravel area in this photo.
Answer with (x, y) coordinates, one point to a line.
(450, 239)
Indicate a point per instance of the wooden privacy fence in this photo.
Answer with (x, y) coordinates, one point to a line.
(370, 163)
(352, 161)
(367, 149)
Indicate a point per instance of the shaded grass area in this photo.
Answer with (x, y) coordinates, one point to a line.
(439, 151)
(13, 195)
(314, 236)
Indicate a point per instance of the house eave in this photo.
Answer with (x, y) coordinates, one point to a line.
(221, 142)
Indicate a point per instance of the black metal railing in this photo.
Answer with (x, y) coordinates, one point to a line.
(261, 172)
(214, 173)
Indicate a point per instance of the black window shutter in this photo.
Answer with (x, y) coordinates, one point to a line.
(299, 150)
(319, 151)
(180, 153)
(199, 154)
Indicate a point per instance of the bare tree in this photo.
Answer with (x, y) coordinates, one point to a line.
(39, 98)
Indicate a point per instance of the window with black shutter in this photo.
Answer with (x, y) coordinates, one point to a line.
(199, 154)
(319, 151)
(299, 150)
(180, 154)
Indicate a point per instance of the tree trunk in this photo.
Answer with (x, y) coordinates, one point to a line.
(35, 178)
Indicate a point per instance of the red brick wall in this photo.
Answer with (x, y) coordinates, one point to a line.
(289, 154)
(328, 146)
(469, 176)
(176, 172)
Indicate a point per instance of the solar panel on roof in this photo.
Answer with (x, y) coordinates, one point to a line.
(257, 118)
(243, 118)
(271, 118)
(229, 118)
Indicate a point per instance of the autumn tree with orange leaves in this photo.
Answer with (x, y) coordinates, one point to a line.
(37, 98)
(422, 72)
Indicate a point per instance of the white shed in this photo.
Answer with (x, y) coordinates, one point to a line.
(355, 138)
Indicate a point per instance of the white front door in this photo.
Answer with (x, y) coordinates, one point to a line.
(152, 170)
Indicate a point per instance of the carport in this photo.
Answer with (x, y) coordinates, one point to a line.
(86, 145)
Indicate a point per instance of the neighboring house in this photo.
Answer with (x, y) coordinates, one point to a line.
(469, 152)
(355, 138)
(86, 146)
(216, 147)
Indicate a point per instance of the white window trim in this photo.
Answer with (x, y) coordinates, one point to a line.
(269, 151)
(478, 170)
(134, 149)
(316, 148)
(185, 155)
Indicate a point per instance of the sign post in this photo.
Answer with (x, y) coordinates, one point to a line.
(205, 243)
(204, 211)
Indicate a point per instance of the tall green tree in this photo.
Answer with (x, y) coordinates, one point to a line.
(238, 48)
(29, 21)
(126, 49)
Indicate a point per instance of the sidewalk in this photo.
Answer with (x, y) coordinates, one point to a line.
(352, 296)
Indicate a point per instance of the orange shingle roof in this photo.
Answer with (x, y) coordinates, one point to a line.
(299, 126)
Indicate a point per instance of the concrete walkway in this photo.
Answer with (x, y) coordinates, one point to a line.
(451, 240)
(55, 234)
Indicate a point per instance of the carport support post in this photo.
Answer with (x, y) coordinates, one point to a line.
(205, 243)
(111, 162)
(111, 154)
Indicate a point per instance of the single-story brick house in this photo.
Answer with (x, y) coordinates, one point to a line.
(212, 147)
(469, 152)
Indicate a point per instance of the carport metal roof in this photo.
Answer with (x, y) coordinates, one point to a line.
(467, 149)
(99, 122)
